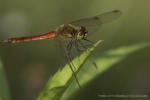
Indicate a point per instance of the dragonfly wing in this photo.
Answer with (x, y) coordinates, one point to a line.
(94, 23)
(98, 19)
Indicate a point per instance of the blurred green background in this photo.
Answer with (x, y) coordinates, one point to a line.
(29, 65)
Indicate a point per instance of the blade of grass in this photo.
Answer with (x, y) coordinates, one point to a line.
(62, 85)
(104, 62)
(4, 90)
(62, 79)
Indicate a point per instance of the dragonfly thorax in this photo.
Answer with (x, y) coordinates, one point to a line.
(71, 31)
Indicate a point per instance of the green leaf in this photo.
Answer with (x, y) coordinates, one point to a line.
(104, 62)
(62, 85)
(62, 79)
(4, 90)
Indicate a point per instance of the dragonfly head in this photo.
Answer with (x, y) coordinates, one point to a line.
(82, 33)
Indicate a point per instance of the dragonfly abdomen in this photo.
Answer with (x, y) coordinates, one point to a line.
(29, 38)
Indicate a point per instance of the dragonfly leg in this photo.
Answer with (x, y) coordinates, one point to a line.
(78, 50)
(69, 46)
(93, 62)
(88, 40)
(77, 46)
(91, 42)
(83, 46)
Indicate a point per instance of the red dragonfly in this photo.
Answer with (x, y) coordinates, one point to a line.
(74, 32)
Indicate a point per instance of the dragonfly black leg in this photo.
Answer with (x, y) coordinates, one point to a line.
(85, 48)
(91, 42)
(69, 47)
(77, 46)
(93, 62)
(88, 40)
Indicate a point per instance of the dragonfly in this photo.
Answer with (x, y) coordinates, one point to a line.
(75, 32)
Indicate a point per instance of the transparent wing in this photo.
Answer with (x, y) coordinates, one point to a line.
(94, 23)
